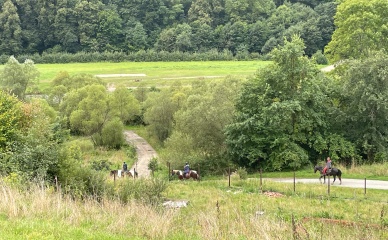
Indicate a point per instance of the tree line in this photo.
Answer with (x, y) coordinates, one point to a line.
(36, 27)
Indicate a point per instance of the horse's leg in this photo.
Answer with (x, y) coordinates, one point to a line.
(334, 179)
(339, 177)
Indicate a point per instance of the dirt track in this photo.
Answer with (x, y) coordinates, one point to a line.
(352, 183)
(144, 153)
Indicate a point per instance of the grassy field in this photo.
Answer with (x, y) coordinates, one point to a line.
(243, 210)
(157, 74)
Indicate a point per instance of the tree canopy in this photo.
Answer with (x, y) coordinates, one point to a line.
(127, 26)
(361, 29)
(282, 119)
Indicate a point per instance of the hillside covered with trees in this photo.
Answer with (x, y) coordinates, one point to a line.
(30, 27)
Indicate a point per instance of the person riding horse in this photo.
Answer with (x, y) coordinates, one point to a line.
(186, 169)
(125, 167)
(328, 166)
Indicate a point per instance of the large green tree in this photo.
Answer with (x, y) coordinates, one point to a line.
(366, 106)
(65, 23)
(10, 29)
(33, 153)
(16, 77)
(281, 113)
(361, 29)
(159, 112)
(198, 133)
(10, 119)
(87, 23)
(126, 104)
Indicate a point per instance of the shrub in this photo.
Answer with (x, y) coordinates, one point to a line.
(100, 165)
(147, 191)
(242, 172)
(319, 58)
(153, 165)
(112, 134)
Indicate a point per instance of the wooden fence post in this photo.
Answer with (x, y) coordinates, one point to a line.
(229, 176)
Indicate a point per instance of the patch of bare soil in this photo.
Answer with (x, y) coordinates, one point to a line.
(144, 153)
(328, 68)
(273, 194)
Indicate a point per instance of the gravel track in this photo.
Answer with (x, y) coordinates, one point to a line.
(144, 153)
(352, 183)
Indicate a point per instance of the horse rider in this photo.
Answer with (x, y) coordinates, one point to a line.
(186, 169)
(328, 165)
(125, 167)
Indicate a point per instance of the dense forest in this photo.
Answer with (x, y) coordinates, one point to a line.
(40, 26)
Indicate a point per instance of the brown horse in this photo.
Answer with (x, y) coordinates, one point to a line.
(192, 174)
(131, 173)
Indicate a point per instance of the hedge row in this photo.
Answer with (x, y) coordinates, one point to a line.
(140, 56)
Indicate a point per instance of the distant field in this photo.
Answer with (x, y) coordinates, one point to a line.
(153, 74)
(157, 74)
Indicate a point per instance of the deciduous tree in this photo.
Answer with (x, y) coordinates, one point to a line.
(366, 106)
(361, 29)
(10, 29)
(16, 77)
(280, 113)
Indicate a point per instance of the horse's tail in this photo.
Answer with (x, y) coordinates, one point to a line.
(339, 173)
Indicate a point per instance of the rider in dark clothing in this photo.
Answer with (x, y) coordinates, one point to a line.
(125, 167)
(186, 169)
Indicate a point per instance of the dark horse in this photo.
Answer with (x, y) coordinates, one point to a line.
(335, 172)
(192, 174)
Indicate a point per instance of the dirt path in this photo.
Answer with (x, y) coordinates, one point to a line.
(328, 68)
(144, 153)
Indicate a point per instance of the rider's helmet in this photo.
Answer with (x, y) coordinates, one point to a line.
(187, 163)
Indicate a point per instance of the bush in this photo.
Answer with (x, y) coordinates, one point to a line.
(84, 183)
(147, 191)
(100, 165)
(153, 165)
(112, 134)
(242, 172)
(319, 58)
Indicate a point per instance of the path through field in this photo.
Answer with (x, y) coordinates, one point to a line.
(352, 183)
(144, 153)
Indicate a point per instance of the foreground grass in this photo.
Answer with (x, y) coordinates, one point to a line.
(215, 211)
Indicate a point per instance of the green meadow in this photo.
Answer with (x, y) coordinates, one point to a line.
(156, 74)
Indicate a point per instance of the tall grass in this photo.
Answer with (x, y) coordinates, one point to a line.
(215, 211)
